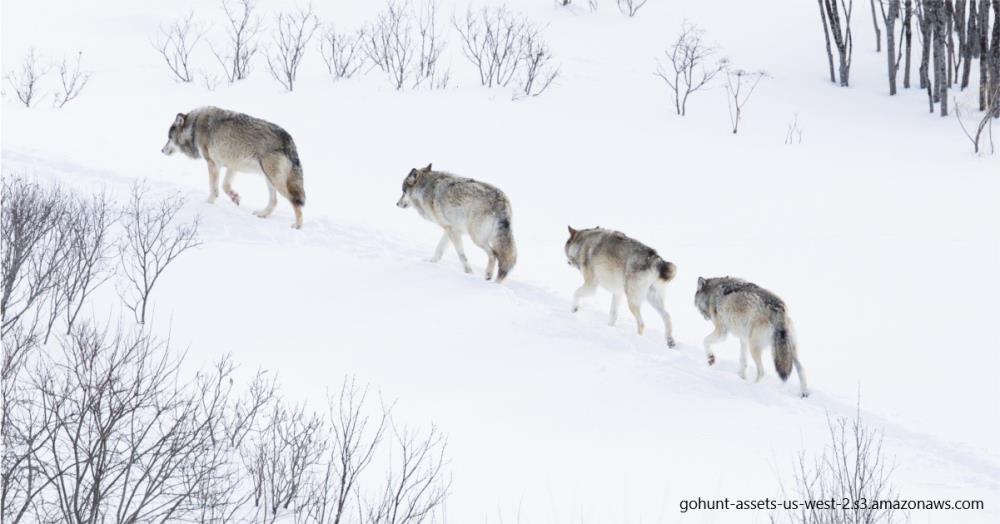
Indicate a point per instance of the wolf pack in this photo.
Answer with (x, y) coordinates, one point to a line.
(609, 259)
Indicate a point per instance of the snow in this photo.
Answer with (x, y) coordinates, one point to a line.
(879, 231)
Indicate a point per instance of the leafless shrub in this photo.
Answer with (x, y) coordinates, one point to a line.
(25, 82)
(243, 28)
(506, 48)
(740, 84)
(793, 135)
(281, 459)
(429, 73)
(342, 53)
(415, 486)
(854, 467)
(406, 46)
(686, 68)
(35, 249)
(294, 31)
(176, 42)
(152, 240)
(630, 7)
(985, 123)
(72, 80)
(354, 438)
(389, 43)
(209, 80)
(88, 257)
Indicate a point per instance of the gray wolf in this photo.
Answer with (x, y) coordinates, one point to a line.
(464, 206)
(240, 143)
(758, 317)
(623, 266)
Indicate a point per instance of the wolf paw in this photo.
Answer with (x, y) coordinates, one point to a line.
(671, 343)
(262, 213)
(489, 276)
(574, 309)
(711, 360)
(211, 199)
(234, 196)
(296, 225)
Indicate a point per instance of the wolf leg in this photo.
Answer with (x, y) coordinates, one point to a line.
(804, 387)
(755, 352)
(213, 181)
(439, 250)
(616, 299)
(227, 186)
(715, 336)
(635, 306)
(655, 299)
(588, 288)
(743, 359)
(456, 240)
(272, 201)
(490, 265)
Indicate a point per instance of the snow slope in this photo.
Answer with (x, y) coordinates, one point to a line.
(879, 231)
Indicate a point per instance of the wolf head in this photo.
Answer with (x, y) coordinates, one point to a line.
(701, 298)
(180, 137)
(572, 248)
(409, 183)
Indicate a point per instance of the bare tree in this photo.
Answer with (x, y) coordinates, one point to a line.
(176, 42)
(854, 467)
(793, 135)
(935, 11)
(688, 66)
(836, 16)
(25, 82)
(294, 32)
(243, 28)
(740, 85)
(342, 53)
(153, 239)
(630, 7)
(878, 30)
(908, 35)
(415, 486)
(72, 80)
(890, 43)
(985, 124)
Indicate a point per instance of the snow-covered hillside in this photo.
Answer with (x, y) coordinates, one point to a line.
(879, 230)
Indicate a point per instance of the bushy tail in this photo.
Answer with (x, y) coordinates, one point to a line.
(296, 182)
(783, 344)
(504, 249)
(667, 270)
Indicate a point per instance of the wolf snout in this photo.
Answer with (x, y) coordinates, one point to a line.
(402, 203)
(167, 149)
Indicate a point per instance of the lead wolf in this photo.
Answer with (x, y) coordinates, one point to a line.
(238, 143)
(621, 265)
(459, 206)
(755, 315)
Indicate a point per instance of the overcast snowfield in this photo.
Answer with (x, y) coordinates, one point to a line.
(879, 230)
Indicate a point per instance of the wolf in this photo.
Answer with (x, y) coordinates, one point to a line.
(240, 142)
(623, 266)
(755, 315)
(464, 206)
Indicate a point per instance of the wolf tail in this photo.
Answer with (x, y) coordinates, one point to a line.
(503, 248)
(783, 343)
(667, 270)
(296, 181)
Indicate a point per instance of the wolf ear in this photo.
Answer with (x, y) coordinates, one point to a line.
(701, 282)
(179, 121)
(572, 232)
(429, 167)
